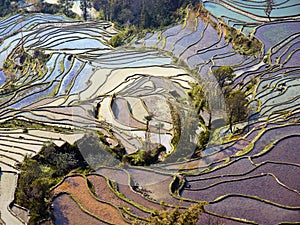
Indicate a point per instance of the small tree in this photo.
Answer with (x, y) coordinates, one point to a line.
(223, 74)
(236, 107)
(117, 40)
(198, 97)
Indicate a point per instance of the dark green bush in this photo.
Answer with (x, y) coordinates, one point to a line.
(40, 173)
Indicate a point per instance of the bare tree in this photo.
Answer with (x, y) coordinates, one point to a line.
(159, 126)
(269, 8)
(148, 118)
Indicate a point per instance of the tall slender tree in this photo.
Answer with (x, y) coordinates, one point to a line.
(85, 5)
(236, 107)
(269, 8)
(159, 126)
(148, 118)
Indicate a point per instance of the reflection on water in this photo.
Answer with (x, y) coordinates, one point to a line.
(2, 77)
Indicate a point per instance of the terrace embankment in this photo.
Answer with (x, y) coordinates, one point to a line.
(141, 98)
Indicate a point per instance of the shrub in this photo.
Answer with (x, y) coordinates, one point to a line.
(198, 97)
(224, 74)
(143, 157)
(176, 216)
(40, 173)
(237, 109)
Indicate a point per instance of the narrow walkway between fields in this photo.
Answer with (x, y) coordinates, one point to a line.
(8, 182)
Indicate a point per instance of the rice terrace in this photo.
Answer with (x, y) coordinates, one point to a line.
(149, 112)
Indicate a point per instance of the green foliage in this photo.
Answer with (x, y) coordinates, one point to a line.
(50, 8)
(198, 97)
(117, 40)
(176, 125)
(138, 158)
(224, 74)
(123, 37)
(95, 149)
(185, 123)
(23, 61)
(40, 173)
(66, 5)
(17, 123)
(241, 43)
(252, 84)
(143, 157)
(140, 13)
(33, 188)
(8, 7)
(237, 110)
(202, 140)
(175, 216)
(236, 101)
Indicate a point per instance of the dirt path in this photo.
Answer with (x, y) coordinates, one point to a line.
(8, 183)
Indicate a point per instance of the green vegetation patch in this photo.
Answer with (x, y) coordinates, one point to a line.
(197, 94)
(20, 61)
(25, 125)
(140, 13)
(190, 216)
(124, 36)
(43, 171)
(236, 100)
(97, 152)
(8, 7)
(241, 43)
(237, 109)
(143, 157)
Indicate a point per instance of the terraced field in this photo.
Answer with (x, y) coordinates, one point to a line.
(60, 79)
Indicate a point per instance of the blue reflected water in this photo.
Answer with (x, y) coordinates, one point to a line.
(2, 77)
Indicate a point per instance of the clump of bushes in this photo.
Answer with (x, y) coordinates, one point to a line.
(176, 124)
(241, 43)
(237, 108)
(123, 37)
(40, 173)
(224, 75)
(236, 100)
(202, 140)
(45, 7)
(8, 7)
(196, 93)
(143, 157)
(176, 216)
(140, 13)
(25, 125)
(21, 60)
(97, 151)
